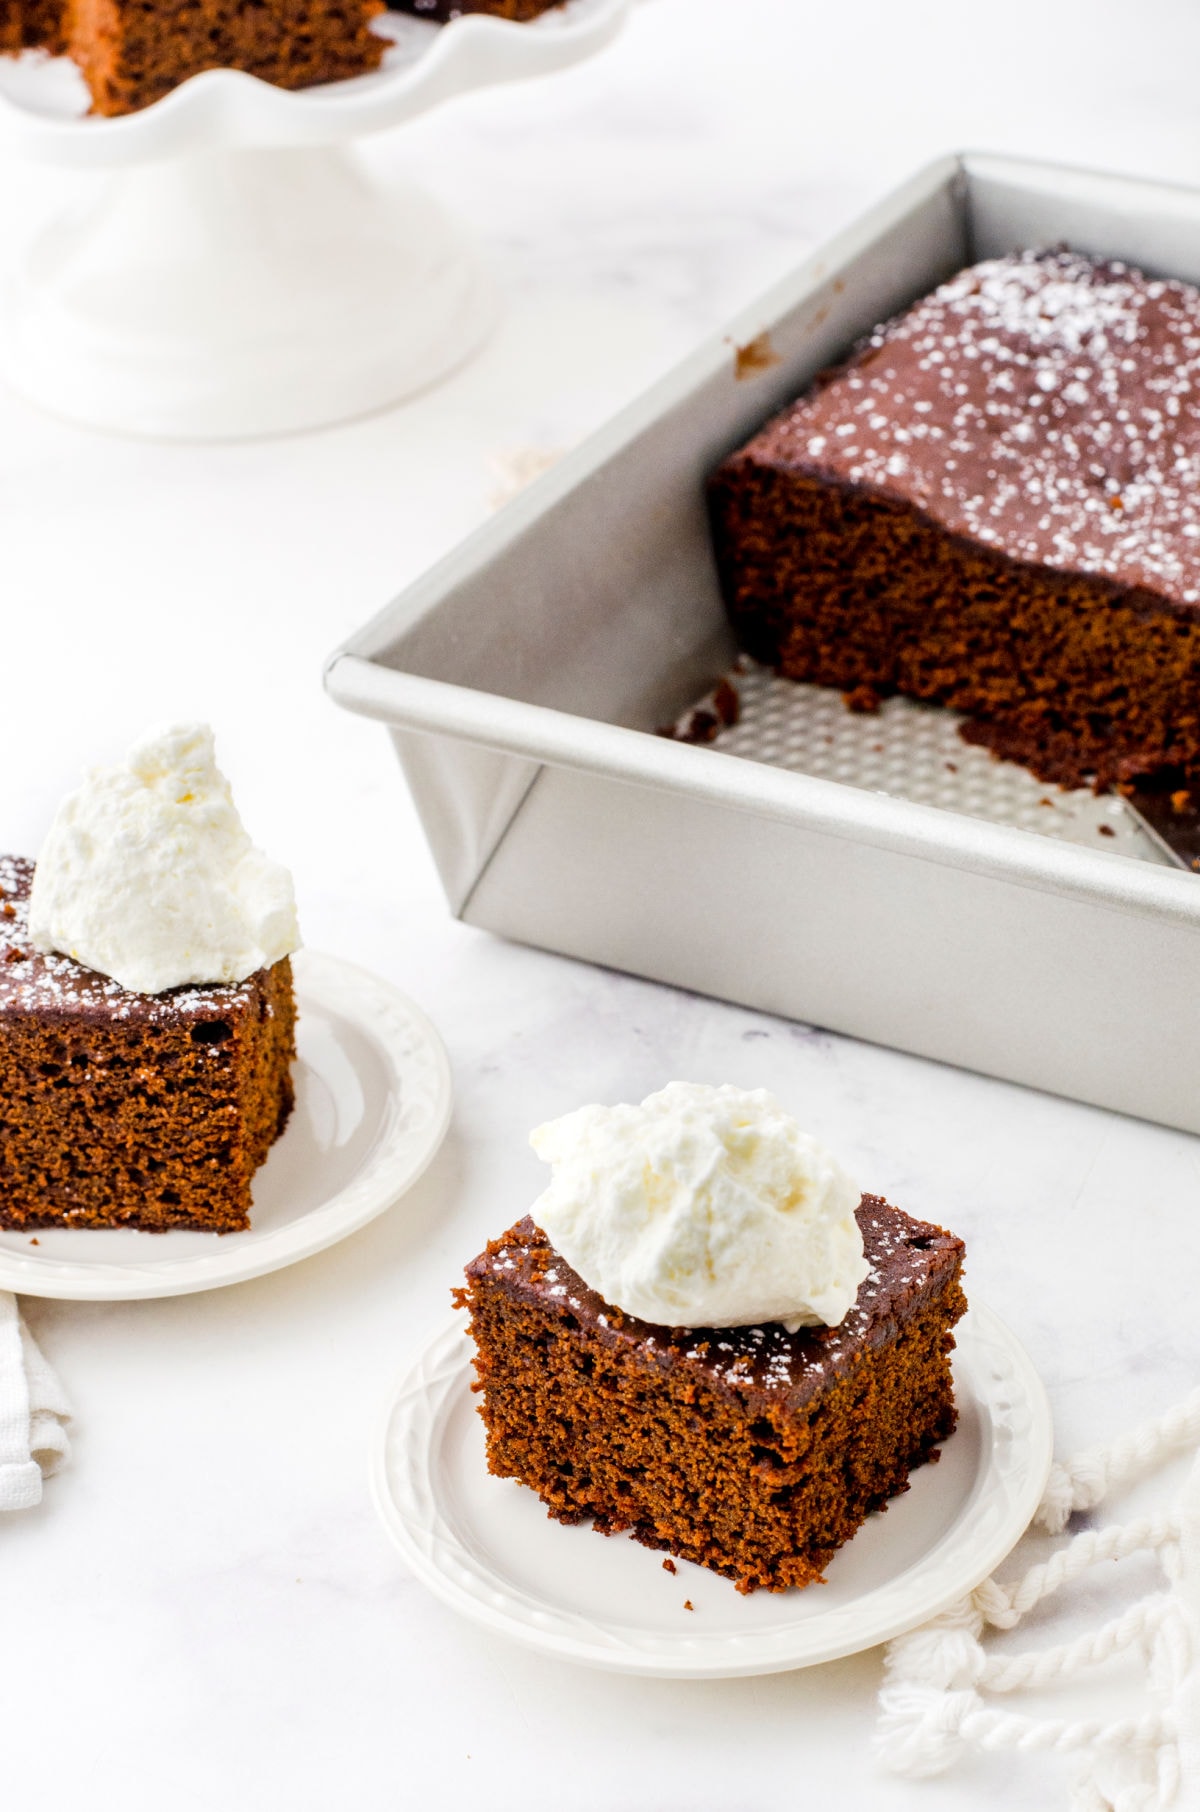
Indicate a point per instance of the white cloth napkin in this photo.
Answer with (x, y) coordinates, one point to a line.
(33, 1413)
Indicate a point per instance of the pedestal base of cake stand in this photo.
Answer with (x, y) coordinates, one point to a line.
(227, 294)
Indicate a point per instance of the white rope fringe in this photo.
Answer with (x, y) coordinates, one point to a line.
(1085, 1481)
(932, 1704)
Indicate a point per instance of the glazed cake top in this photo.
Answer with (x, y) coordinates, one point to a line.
(910, 1261)
(58, 989)
(1044, 404)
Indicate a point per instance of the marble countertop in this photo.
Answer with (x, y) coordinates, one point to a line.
(204, 1610)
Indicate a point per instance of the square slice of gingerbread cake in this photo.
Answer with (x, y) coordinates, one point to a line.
(994, 504)
(127, 1109)
(750, 1450)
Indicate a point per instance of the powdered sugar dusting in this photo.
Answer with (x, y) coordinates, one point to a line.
(1045, 405)
(32, 981)
(904, 1256)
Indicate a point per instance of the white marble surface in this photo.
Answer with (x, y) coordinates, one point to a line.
(204, 1611)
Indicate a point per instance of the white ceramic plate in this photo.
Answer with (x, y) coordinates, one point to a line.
(372, 1106)
(487, 1547)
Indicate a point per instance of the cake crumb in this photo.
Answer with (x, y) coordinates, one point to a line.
(863, 699)
(688, 1605)
(670, 1567)
(756, 356)
(718, 710)
(1106, 830)
(701, 727)
(727, 703)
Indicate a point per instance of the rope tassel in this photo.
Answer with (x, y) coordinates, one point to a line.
(933, 1706)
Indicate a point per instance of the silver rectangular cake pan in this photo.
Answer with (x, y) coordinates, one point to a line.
(872, 875)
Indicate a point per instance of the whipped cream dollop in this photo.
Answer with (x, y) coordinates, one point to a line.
(703, 1207)
(148, 874)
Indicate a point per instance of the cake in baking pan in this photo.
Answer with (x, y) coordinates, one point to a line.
(994, 505)
(758, 1358)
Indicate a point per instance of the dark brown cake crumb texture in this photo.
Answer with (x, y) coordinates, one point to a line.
(994, 505)
(747, 1450)
(718, 710)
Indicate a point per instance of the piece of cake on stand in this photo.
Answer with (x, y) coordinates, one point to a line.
(240, 274)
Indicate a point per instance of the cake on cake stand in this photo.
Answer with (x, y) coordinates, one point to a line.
(240, 274)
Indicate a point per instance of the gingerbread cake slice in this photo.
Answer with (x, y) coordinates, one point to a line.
(132, 53)
(994, 504)
(749, 1450)
(127, 1109)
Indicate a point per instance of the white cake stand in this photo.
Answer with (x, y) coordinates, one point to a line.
(239, 274)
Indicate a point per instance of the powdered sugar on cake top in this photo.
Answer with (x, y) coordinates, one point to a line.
(33, 981)
(1044, 404)
(904, 1259)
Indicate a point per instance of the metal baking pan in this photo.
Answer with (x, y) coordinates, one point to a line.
(862, 874)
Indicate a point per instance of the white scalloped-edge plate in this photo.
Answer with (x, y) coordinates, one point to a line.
(373, 1098)
(487, 1547)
